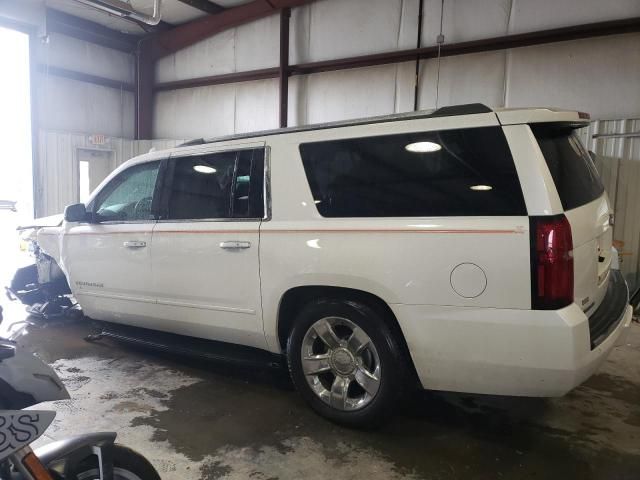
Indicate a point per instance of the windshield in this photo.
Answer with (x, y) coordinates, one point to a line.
(571, 167)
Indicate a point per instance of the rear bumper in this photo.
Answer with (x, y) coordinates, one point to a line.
(505, 352)
(611, 311)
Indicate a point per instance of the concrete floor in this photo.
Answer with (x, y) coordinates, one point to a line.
(199, 421)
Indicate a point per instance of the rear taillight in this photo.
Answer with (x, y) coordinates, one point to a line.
(551, 263)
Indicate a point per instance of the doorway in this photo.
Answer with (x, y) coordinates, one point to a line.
(16, 163)
(16, 177)
(94, 166)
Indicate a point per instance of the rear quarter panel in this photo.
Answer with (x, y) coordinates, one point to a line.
(401, 260)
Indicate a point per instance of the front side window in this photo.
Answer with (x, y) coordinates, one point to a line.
(216, 186)
(467, 172)
(128, 197)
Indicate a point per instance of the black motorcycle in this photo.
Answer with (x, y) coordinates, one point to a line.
(25, 380)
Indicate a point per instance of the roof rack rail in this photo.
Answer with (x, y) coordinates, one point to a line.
(466, 109)
(453, 110)
(195, 141)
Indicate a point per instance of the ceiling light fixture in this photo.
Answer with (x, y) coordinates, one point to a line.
(423, 147)
(481, 188)
(204, 169)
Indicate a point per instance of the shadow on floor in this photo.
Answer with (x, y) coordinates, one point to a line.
(228, 411)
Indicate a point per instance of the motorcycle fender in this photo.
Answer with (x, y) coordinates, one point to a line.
(73, 450)
(67, 454)
(19, 428)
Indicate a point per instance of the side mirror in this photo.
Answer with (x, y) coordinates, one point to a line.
(75, 213)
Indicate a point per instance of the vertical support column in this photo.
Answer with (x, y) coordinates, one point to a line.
(34, 82)
(144, 91)
(416, 86)
(285, 15)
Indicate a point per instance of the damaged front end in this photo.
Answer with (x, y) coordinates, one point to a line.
(42, 286)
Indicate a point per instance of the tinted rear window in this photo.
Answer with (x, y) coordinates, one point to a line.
(571, 167)
(466, 172)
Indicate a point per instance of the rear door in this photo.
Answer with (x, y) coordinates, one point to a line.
(205, 247)
(586, 206)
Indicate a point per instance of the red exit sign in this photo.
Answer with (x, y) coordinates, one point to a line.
(97, 139)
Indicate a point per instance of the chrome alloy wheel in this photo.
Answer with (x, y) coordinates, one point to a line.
(340, 363)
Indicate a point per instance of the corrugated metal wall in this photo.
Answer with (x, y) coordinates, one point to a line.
(617, 146)
(596, 75)
(56, 173)
(74, 106)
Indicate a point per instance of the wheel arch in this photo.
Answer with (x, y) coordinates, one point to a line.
(296, 298)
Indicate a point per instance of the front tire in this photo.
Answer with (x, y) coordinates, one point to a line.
(346, 363)
(127, 465)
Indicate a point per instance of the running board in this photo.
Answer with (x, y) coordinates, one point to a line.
(190, 347)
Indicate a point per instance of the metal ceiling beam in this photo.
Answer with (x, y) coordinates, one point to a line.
(65, 24)
(17, 25)
(85, 77)
(563, 34)
(204, 6)
(599, 29)
(182, 36)
(236, 77)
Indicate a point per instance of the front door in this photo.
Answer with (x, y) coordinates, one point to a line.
(108, 261)
(205, 246)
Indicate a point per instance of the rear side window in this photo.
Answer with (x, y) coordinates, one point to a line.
(215, 186)
(467, 172)
(571, 167)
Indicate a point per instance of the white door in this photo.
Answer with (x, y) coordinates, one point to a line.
(108, 261)
(205, 246)
(94, 166)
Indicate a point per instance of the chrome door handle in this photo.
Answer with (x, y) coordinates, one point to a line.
(234, 244)
(135, 244)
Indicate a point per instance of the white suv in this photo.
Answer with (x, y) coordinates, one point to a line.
(466, 249)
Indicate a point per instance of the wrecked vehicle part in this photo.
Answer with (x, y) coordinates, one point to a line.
(42, 286)
(50, 221)
(51, 275)
(24, 286)
(55, 307)
(39, 282)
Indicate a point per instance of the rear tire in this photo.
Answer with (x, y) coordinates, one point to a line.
(346, 363)
(127, 465)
